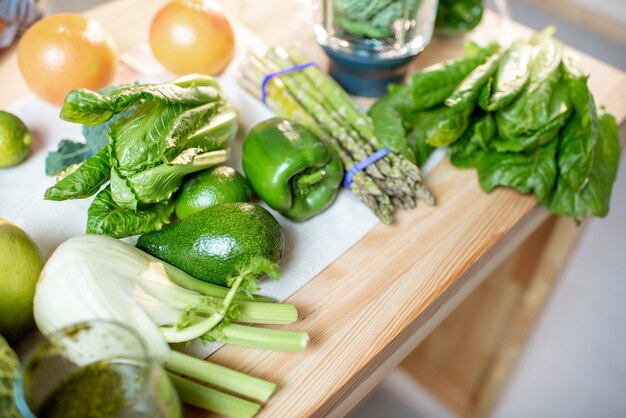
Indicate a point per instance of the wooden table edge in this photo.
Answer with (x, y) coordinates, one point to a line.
(434, 314)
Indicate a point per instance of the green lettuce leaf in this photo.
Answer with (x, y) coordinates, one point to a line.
(424, 125)
(533, 171)
(208, 127)
(97, 136)
(146, 142)
(159, 183)
(474, 143)
(420, 147)
(417, 141)
(138, 140)
(467, 92)
(72, 152)
(397, 113)
(84, 180)
(91, 108)
(106, 217)
(580, 134)
(462, 103)
(450, 125)
(512, 76)
(537, 115)
(534, 129)
(595, 196)
(156, 135)
(121, 191)
(483, 96)
(432, 86)
(575, 156)
(387, 115)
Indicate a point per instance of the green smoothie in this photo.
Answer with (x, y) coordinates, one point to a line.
(99, 390)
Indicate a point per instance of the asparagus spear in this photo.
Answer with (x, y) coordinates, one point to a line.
(313, 99)
(334, 92)
(318, 105)
(324, 125)
(283, 103)
(314, 103)
(345, 106)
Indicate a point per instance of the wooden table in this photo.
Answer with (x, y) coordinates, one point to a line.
(371, 309)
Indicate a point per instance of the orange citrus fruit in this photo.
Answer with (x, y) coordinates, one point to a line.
(192, 37)
(63, 52)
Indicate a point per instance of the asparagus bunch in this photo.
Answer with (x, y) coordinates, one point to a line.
(311, 97)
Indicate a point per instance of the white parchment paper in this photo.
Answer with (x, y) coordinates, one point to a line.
(309, 246)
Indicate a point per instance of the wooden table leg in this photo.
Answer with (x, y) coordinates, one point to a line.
(467, 360)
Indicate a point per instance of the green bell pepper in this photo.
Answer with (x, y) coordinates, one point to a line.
(293, 170)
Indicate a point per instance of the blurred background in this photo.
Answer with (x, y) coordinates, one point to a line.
(574, 364)
(595, 27)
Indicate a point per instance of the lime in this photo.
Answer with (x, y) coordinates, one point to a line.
(212, 187)
(14, 139)
(20, 265)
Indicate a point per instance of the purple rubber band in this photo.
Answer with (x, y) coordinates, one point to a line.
(269, 76)
(363, 164)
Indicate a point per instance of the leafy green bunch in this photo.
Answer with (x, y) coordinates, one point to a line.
(458, 15)
(155, 135)
(523, 116)
(374, 18)
(368, 18)
(71, 152)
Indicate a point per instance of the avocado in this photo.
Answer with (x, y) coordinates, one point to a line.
(214, 243)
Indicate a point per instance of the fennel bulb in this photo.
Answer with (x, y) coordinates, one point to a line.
(95, 277)
(98, 277)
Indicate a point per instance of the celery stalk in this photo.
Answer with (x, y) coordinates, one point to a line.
(265, 338)
(266, 313)
(216, 375)
(189, 332)
(213, 400)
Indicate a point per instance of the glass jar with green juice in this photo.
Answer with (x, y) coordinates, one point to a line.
(97, 369)
(371, 42)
